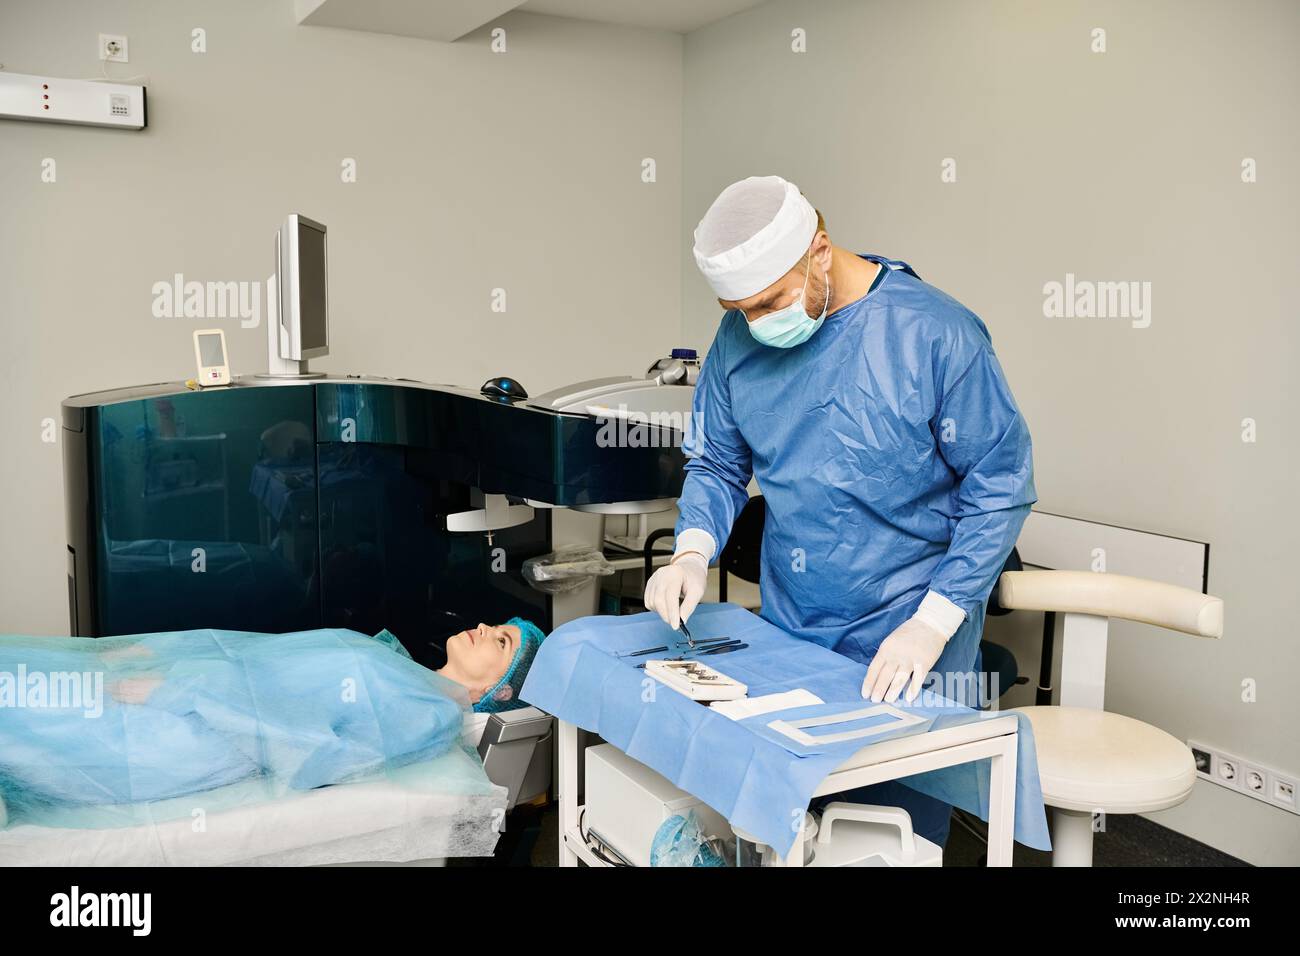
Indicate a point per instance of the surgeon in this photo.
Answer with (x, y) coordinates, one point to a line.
(894, 462)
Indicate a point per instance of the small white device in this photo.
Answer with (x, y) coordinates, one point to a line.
(627, 802)
(210, 356)
(697, 681)
(25, 96)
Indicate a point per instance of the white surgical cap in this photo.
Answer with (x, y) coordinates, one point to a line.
(754, 233)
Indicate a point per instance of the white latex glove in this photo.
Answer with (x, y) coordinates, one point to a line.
(905, 655)
(910, 652)
(675, 589)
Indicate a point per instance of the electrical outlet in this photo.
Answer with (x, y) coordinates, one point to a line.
(1256, 781)
(1253, 780)
(112, 46)
(1226, 770)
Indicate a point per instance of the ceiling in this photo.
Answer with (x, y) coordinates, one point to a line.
(451, 19)
(679, 16)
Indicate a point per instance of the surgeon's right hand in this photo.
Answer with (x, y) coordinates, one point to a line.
(675, 589)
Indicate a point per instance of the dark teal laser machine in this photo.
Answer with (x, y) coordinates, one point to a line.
(293, 500)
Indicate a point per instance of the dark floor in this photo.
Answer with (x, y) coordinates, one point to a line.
(1128, 841)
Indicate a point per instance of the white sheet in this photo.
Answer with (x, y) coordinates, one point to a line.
(398, 818)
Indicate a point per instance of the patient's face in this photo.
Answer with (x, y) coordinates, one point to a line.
(479, 657)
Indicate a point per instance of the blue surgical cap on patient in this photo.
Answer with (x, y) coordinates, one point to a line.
(504, 694)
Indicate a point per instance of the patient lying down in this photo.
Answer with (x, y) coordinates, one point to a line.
(128, 720)
(491, 662)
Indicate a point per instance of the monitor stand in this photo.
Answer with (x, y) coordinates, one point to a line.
(277, 367)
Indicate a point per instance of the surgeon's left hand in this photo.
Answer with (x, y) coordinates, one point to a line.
(907, 654)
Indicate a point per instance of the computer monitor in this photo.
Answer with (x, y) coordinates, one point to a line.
(302, 289)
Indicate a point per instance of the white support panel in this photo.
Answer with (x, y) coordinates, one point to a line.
(1061, 543)
(1002, 803)
(567, 787)
(1083, 661)
(445, 20)
(50, 99)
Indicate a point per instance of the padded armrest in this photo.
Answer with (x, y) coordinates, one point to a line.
(1114, 596)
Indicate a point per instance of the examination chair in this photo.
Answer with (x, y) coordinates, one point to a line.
(1089, 761)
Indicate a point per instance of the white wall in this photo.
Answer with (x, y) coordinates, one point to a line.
(523, 171)
(1116, 166)
(476, 171)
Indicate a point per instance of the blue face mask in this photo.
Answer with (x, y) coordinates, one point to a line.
(791, 326)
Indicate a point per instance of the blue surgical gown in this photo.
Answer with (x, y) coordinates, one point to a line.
(891, 455)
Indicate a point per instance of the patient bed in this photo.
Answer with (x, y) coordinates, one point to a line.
(393, 818)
